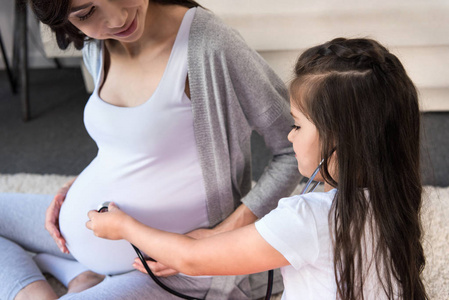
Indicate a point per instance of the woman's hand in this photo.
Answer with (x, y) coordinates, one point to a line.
(52, 216)
(108, 225)
(161, 270)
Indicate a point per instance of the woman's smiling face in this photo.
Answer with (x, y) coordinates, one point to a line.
(121, 20)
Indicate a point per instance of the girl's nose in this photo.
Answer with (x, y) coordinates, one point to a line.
(290, 136)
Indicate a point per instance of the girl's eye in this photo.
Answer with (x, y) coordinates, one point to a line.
(296, 127)
(86, 16)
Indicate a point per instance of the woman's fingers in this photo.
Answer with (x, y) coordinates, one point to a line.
(52, 216)
(158, 269)
(138, 266)
(52, 222)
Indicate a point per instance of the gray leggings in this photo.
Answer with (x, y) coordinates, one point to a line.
(22, 229)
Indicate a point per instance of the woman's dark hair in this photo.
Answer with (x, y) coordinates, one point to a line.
(55, 15)
(365, 107)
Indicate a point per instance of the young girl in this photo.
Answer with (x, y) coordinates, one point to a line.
(355, 108)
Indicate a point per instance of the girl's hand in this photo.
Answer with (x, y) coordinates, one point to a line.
(52, 216)
(107, 225)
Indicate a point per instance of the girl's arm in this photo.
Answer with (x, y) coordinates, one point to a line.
(242, 251)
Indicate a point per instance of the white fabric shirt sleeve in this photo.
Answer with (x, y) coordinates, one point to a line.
(291, 229)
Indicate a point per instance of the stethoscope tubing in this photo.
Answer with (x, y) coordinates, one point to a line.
(147, 268)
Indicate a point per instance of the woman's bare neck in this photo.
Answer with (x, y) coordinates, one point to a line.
(162, 23)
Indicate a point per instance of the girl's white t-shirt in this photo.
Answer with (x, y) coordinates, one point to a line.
(147, 163)
(299, 229)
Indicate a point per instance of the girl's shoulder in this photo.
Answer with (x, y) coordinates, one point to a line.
(297, 221)
(311, 208)
(315, 200)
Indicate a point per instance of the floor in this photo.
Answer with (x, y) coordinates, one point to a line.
(54, 141)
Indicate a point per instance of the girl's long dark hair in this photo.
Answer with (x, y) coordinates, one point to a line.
(366, 108)
(54, 13)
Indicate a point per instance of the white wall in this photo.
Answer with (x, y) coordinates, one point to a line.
(417, 31)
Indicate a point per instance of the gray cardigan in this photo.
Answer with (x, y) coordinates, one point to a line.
(233, 92)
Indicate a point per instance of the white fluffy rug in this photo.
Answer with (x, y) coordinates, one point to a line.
(435, 222)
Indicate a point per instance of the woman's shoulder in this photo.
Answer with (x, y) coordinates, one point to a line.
(209, 31)
(92, 48)
(92, 56)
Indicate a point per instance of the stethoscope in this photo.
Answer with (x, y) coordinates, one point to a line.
(104, 208)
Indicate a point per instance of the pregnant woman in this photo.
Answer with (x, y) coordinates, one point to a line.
(177, 96)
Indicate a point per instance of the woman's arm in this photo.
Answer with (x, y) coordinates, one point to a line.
(242, 251)
(234, 91)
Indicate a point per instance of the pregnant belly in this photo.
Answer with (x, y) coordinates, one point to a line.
(99, 255)
(155, 198)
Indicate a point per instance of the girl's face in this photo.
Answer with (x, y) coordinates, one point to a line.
(122, 20)
(305, 139)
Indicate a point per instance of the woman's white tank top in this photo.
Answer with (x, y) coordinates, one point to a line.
(147, 163)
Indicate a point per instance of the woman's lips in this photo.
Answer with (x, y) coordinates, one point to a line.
(130, 30)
